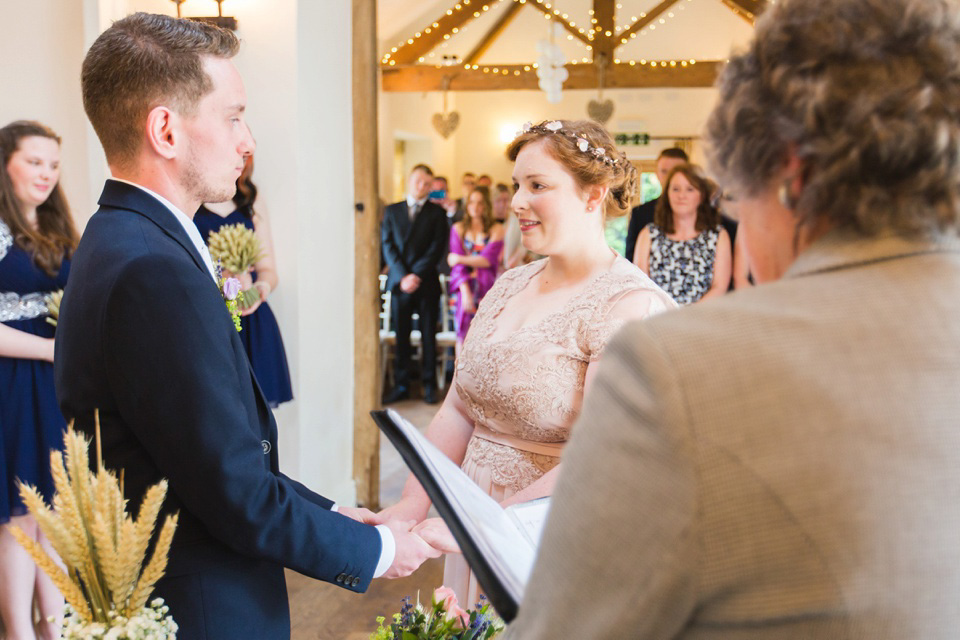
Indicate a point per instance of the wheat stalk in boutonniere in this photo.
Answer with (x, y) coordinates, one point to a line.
(236, 247)
(102, 547)
(53, 306)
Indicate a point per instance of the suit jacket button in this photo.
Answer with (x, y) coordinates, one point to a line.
(340, 578)
(266, 446)
(355, 582)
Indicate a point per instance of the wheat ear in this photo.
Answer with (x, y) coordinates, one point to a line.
(49, 522)
(70, 591)
(156, 566)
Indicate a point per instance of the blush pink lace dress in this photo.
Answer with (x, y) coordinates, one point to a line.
(524, 391)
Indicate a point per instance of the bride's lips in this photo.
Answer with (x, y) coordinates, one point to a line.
(527, 225)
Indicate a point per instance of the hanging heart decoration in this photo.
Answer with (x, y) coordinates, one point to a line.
(600, 110)
(446, 123)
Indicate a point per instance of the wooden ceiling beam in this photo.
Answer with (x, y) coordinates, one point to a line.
(652, 15)
(579, 34)
(582, 76)
(441, 28)
(495, 31)
(604, 12)
(749, 10)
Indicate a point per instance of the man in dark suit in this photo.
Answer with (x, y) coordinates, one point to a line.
(642, 215)
(414, 239)
(145, 337)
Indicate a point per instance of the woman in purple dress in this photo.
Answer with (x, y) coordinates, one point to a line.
(476, 243)
(37, 238)
(260, 332)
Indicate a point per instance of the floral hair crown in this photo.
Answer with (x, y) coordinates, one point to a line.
(555, 126)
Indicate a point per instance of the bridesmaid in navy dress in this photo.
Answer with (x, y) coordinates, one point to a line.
(260, 333)
(37, 237)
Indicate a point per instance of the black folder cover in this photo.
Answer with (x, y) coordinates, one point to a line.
(493, 584)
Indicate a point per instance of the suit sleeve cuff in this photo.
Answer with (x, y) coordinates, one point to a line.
(388, 550)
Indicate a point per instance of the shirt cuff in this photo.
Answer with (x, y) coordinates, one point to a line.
(335, 507)
(388, 550)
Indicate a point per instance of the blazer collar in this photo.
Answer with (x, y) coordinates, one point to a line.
(121, 195)
(844, 249)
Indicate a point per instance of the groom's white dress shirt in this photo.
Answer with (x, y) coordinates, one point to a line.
(388, 547)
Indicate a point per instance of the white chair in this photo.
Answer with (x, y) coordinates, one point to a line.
(447, 336)
(388, 335)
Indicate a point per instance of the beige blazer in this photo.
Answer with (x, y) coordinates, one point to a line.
(780, 463)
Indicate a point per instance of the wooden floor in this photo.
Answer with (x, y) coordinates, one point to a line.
(321, 611)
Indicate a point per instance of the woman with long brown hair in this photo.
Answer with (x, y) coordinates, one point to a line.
(37, 238)
(686, 250)
(476, 244)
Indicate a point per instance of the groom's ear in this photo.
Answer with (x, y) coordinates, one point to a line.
(161, 132)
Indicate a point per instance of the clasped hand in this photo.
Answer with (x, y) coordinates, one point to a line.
(415, 543)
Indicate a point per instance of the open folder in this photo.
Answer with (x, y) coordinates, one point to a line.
(499, 544)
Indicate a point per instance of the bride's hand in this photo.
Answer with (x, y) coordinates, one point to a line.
(436, 534)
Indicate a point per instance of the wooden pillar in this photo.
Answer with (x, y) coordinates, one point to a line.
(366, 297)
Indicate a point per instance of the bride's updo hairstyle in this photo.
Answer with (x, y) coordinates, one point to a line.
(587, 152)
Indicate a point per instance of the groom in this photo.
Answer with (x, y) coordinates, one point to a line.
(144, 336)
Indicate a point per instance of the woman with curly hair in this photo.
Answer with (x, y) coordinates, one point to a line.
(534, 345)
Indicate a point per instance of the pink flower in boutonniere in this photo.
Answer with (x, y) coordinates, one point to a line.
(231, 288)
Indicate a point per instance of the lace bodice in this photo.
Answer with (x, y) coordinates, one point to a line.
(529, 384)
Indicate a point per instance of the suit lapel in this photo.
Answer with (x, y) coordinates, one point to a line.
(403, 223)
(120, 195)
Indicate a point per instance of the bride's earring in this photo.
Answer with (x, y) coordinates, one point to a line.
(786, 198)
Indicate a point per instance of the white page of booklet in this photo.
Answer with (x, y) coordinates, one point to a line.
(509, 551)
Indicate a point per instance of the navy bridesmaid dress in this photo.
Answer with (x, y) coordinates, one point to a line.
(260, 332)
(30, 420)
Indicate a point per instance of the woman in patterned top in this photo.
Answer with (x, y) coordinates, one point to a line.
(685, 250)
(533, 346)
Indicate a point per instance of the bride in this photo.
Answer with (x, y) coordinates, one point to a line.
(534, 343)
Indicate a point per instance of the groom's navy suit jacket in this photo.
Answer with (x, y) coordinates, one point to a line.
(144, 336)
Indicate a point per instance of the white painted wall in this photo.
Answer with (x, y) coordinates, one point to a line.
(299, 108)
(41, 48)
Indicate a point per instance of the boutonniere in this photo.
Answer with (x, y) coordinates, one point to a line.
(230, 290)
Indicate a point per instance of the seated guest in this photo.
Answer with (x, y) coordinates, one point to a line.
(783, 462)
(476, 243)
(685, 249)
(642, 214)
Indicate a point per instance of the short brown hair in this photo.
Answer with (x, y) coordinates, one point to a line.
(586, 168)
(141, 62)
(675, 153)
(866, 93)
(422, 167)
(707, 216)
(55, 237)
